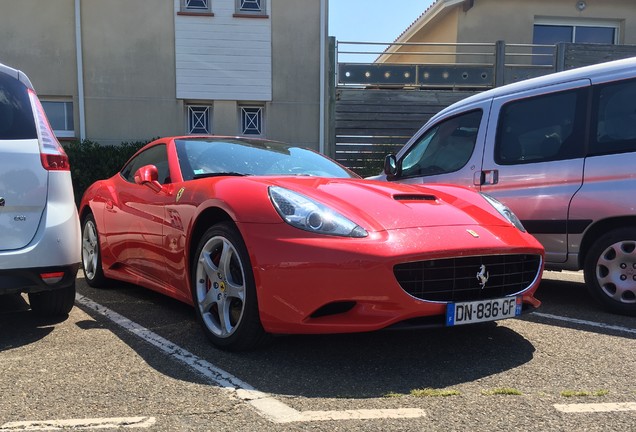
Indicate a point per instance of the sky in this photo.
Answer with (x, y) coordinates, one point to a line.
(372, 20)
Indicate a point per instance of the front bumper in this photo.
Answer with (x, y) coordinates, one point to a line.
(321, 284)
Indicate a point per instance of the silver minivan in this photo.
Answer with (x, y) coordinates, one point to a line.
(39, 226)
(560, 151)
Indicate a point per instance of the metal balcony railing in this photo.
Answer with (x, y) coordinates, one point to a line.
(440, 65)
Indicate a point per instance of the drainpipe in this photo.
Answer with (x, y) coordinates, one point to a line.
(80, 70)
(323, 59)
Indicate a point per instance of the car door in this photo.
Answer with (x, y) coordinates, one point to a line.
(534, 157)
(134, 228)
(449, 150)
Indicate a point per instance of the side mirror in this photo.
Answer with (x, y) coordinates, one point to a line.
(390, 165)
(148, 175)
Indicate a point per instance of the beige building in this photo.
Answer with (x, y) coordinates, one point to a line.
(121, 70)
(517, 22)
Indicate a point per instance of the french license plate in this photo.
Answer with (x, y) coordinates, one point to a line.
(482, 310)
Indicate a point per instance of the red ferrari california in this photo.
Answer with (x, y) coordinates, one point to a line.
(264, 238)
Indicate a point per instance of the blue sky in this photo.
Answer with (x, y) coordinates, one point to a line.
(372, 20)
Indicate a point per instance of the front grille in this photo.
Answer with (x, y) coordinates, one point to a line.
(456, 279)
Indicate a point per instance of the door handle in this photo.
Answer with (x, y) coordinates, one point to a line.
(486, 177)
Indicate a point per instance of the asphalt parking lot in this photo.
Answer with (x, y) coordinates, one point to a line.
(126, 357)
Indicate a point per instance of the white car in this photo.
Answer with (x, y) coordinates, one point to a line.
(39, 226)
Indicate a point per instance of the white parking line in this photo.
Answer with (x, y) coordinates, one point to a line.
(585, 322)
(97, 423)
(264, 403)
(596, 407)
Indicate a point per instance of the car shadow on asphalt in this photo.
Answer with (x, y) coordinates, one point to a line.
(362, 365)
(378, 363)
(19, 326)
(568, 304)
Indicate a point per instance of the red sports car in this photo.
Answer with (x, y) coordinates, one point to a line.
(264, 238)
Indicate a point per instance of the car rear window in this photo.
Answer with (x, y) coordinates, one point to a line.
(16, 115)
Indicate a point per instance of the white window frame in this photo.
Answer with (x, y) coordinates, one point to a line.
(69, 121)
(252, 120)
(198, 116)
(188, 7)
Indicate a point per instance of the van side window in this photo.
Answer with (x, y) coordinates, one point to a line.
(444, 148)
(616, 118)
(543, 128)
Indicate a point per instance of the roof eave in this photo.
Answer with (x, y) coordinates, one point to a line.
(436, 11)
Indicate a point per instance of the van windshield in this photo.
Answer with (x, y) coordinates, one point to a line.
(444, 148)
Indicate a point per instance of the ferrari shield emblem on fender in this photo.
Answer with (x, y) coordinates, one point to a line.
(180, 193)
(482, 276)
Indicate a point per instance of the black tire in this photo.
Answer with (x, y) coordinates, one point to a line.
(54, 303)
(610, 270)
(224, 292)
(92, 253)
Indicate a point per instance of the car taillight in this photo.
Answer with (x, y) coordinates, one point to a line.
(53, 156)
(52, 278)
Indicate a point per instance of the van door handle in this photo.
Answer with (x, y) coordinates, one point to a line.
(486, 177)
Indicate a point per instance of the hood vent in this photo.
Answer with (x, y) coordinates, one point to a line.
(414, 197)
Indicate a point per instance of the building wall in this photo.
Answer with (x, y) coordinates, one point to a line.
(133, 86)
(129, 70)
(223, 57)
(294, 113)
(492, 20)
(512, 21)
(38, 37)
(444, 30)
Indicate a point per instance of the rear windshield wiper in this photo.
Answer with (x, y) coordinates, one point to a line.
(219, 174)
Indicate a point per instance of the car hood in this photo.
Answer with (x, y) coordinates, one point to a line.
(386, 206)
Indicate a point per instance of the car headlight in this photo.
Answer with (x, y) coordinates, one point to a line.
(504, 211)
(309, 215)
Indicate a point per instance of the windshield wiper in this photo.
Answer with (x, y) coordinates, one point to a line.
(219, 174)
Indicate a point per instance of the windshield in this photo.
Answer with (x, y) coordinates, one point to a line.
(208, 157)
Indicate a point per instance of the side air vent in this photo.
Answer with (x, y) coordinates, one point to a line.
(334, 308)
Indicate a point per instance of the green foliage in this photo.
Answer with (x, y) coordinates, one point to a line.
(576, 393)
(431, 392)
(502, 391)
(91, 161)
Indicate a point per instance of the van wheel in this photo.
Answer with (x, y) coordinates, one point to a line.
(54, 303)
(610, 271)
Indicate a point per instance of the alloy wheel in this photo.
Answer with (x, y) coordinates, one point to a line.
(90, 250)
(220, 287)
